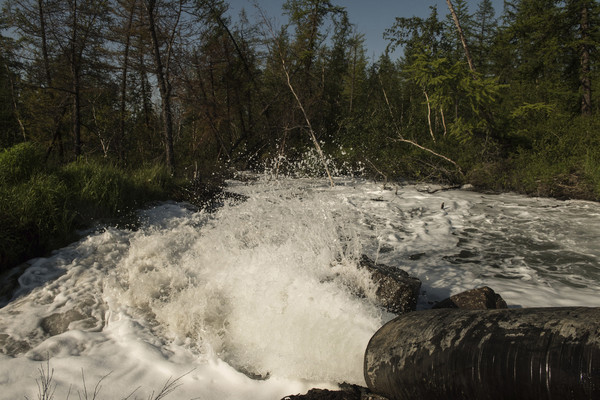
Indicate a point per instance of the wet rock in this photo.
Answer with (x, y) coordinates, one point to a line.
(416, 256)
(346, 392)
(9, 282)
(483, 298)
(396, 291)
(58, 323)
(204, 195)
(12, 347)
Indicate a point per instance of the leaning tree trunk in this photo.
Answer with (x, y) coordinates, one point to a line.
(299, 102)
(461, 36)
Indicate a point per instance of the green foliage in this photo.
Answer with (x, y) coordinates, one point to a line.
(20, 162)
(415, 34)
(35, 217)
(451, 86)
(562, 160)
(101, 189)
(41, 207)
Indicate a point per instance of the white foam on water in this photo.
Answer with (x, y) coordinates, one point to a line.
(259, 299)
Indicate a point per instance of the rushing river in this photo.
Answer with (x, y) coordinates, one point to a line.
(257, 300)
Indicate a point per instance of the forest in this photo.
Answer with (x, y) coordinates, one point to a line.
(105, 104)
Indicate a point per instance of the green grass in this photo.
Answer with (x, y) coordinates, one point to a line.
(42, 206)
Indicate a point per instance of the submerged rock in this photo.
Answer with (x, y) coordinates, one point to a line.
(9, 282)
(208, 196)
(396, 291)
(483, 298)
(84, 315)
(12, 347)
(58, 323)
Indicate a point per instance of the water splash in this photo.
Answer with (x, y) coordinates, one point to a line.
(261, 287)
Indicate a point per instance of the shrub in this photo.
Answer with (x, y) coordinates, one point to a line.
(98, 190)
(41, 208)
(20, 162)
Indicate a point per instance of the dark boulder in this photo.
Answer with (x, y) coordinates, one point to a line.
(396, 291)
(346, 392)
(483, 298)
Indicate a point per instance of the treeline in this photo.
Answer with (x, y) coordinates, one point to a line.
(509, 104)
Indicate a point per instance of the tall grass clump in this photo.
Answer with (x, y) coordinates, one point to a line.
(20, 162)
(41, 206)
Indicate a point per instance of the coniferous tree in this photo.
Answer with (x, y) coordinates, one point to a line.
(485, 27)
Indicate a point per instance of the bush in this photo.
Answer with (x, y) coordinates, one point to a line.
(20, 162)
(41, 208)
(562, 162)
(98, 190)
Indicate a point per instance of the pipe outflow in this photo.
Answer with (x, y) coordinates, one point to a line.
(537, 353)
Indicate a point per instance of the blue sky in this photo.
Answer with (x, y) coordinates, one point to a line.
(372, 17)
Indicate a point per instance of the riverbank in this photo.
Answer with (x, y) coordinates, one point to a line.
(43, 206)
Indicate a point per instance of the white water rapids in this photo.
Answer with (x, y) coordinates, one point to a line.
(268, 286)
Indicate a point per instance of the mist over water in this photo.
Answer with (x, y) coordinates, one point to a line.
(259, 299)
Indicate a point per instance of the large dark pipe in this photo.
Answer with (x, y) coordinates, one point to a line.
(543, 353)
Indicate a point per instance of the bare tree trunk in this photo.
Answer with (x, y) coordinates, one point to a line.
(586, 80)
(461, 35)
(122, 139)
(145, 90)
(164, 88)
(310, 129)
(353, 80)
(444, 121)
(44, 43)
(14, 102)
(76, 118)
(48, 75)
(75, 83)
(429, 116)
(314, 28)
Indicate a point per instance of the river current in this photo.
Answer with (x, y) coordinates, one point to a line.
(257, 299)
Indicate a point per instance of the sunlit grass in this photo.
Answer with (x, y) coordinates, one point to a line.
(41, 206)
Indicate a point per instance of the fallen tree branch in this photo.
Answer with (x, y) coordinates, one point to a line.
(428, 150)
(401, 138)
(378, 171)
